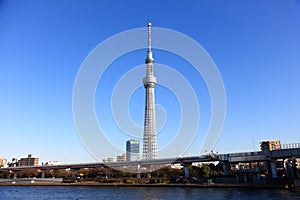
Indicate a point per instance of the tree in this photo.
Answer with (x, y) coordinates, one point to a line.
(205, 170)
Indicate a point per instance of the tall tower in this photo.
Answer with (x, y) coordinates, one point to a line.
(149, 140)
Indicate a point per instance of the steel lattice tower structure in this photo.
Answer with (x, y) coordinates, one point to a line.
(149, 139)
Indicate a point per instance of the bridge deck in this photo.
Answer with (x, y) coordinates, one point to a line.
(231, 158)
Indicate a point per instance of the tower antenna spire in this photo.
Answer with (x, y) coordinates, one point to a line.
(149, 58)
(149, 36)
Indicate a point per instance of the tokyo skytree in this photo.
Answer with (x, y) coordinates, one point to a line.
(149, 139)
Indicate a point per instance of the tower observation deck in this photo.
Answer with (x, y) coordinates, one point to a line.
(149, 138)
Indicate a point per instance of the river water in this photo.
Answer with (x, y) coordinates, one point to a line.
(112, 193)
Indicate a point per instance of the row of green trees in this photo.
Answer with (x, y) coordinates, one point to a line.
(202, 171)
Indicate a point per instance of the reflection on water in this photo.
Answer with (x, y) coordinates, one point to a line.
(111, 193)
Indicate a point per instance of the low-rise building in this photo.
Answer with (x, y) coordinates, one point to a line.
(121, 158)
(270, 145)
(29, 161)
(3, 162)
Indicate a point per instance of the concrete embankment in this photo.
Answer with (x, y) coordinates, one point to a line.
(29, 181)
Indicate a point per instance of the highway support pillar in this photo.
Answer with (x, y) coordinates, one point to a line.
(148, 170)
(15, 174)
(186, 169)
(294, 168)
(272, 170)
(149, 174)
(226, 167)
(43, 173)
(237, 180)
(74, 173)
(255, 177)
(138, 175)
(245, 178)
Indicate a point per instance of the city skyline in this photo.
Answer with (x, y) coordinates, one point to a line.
(254, 44)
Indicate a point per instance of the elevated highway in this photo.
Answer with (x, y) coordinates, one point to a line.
(256, 156)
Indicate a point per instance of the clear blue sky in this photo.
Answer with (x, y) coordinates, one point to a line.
(255, 44)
